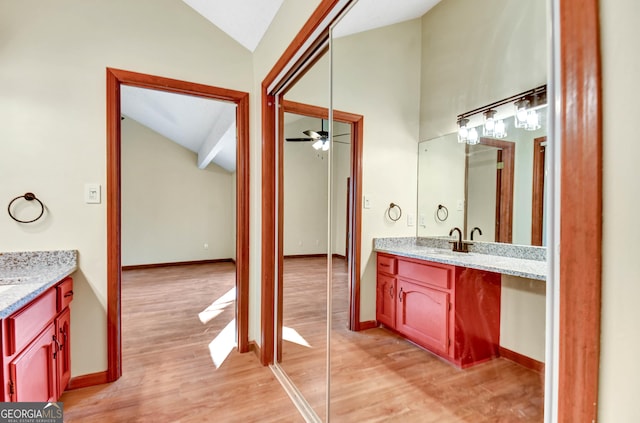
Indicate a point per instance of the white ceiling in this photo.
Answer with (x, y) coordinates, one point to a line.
(207, 127)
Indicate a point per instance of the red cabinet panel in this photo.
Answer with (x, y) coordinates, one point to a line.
(32, 371)
(452, 311)
(30, 320)
(423, 315)
(63, 355)
(386, 300)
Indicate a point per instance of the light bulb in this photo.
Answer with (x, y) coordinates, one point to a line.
(500, 129)
(533, 121)
(489, 123)
(463, 131)
(473, 137)
(520, 119)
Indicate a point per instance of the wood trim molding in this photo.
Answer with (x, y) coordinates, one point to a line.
(176, 263)
(522, 360)
(87, 380)
(504, 223)
(116, 78)
(367, 324)
(581, 218)
(537, 190)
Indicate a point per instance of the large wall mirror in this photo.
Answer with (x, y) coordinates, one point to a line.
(410, 79)
(496, 185)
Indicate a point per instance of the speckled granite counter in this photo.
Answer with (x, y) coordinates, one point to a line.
(515, 260)
(25, 275)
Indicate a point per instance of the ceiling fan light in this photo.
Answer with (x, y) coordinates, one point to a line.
(317, 145)
(325, 145)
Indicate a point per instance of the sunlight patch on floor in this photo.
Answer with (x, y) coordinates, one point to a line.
(223, 344)
(291, 335)
(218, 306)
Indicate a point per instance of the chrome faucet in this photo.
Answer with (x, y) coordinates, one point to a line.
(459, 245)
(475, 229)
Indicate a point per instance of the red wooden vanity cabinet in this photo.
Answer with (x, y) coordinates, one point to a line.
(36, 349)
(451, 311)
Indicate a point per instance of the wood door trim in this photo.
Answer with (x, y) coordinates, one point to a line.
(356, 122)
(505, 189)
(116, 78)
(537, 190)
(580, 117)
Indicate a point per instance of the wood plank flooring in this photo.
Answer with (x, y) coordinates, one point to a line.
(379, 377)
(168, 373)
(376, 375)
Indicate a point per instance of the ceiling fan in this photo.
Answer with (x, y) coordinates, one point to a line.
(320, 137)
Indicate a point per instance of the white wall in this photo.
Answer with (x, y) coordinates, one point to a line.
(478, 52)
(376, 74)
(52, 79)
(522, 316)
(170, 207)
(305, 189)
(620, 341)
(441, 181)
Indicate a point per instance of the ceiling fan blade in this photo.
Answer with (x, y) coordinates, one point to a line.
(300, 139)
(313, 134)
(340, 135)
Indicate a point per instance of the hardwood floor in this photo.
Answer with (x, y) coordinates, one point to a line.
(169, 375)
(379, 377)
(168, 372)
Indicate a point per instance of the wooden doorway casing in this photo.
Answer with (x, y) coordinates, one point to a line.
(579, 113)
(504, 189)
(353, 219)
(116, 78)
(537, 200)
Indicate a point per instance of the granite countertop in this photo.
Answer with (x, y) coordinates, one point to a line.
(515, 260)
(25, 275)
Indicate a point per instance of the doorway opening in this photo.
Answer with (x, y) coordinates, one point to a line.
(115, 80)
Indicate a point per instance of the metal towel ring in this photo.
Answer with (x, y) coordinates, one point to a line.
(444, 211)
(392, 205)
(29, 196)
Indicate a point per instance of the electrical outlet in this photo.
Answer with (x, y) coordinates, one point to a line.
(206, 246)
(460, 205)
(411, 219)
(422, 220)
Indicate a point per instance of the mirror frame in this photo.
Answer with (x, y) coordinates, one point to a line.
(575, 273)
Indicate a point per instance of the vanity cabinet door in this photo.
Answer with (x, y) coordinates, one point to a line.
(386, 300)
(33, 370)
(422, 315)
(63, 355)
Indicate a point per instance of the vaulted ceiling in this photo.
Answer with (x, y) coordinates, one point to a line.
(207, 127)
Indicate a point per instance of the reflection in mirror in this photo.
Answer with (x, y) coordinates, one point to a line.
(496, 185)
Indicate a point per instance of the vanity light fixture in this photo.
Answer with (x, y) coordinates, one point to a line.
(525, 111)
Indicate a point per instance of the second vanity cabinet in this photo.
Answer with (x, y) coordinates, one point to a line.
(36, 353)
(451, 311)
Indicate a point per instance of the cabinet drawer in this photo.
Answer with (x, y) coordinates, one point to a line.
(65, 293)
(439, 276)
(386, 264)
(24, 325)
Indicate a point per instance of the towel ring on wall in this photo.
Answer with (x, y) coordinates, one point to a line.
(391, 206)
(29, 196)
(442, 213)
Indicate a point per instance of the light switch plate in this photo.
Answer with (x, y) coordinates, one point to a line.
(367, 202)
(92, 194)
